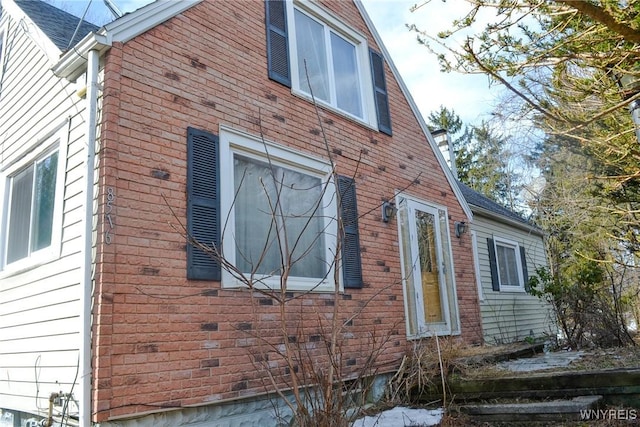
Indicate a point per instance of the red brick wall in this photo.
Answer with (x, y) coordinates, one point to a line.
(163, 341)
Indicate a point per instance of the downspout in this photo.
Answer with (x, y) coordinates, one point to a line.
(87, 247)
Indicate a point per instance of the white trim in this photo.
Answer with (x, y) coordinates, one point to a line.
(476, 264)
(40, 150)
(48, 48)
(329, 20)
(525, 226)
(74, 62)
(237, 142)
(3, 48)
(516, 247)
(451, 312)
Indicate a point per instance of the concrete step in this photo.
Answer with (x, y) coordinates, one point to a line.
(618, 386)
(554, 410)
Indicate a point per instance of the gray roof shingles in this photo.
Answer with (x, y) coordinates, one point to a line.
(57, 24)
(476, 199)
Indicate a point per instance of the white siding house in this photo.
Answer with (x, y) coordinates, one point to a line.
(42, 152)
(507, 250)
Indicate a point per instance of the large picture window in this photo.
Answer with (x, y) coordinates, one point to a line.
(278, 216)
(279, 213)
(32, 218)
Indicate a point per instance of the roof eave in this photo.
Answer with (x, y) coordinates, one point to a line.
(529, 228)
(73, 63)
(416, 112)
(135, 23)
(34, 32)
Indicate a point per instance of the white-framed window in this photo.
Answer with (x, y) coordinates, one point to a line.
(2, 54)
(32, 205)
(429, 288)
(509, 265)
(331, 59)
(277, 210)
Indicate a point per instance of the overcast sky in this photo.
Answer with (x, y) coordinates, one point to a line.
(468, 95)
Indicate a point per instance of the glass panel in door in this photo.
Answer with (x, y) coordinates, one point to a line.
(429, 267)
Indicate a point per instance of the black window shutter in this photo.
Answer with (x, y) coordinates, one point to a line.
(351, 261)
(525, 272)
(380, 92)
(203, 204)
(493, 265)
(277, 44)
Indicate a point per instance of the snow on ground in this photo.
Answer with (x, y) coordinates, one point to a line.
(401, 417)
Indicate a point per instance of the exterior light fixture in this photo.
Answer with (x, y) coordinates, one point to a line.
(461, 228)
(629, 85)
(388, 211)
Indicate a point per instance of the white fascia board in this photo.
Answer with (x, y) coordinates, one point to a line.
(133, 24)
(34, 32)
(74, 62)
(416, 112)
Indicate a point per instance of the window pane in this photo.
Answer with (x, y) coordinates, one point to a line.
(507, 266)
(256, 246)
(43, 202)
(345, 68)
(409, 262)
(20, 215)
(429, 271)
(313, 52)
(285, 203)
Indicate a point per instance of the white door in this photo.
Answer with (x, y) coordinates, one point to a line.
(424, 268)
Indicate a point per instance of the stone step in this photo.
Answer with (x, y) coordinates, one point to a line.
(554, 410)
(618, 386)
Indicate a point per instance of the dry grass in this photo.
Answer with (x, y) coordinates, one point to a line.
(424, 367)
(596, 359)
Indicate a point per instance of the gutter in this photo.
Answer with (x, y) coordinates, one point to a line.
(74, 63)
(530, 228)
(87, 247)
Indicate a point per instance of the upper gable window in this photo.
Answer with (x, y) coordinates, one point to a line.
(328, 64)
(313, 52)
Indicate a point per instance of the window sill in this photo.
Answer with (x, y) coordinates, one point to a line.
(27, 264)
(431, 334)
(273, 284)
(513, 289)
(333, 109)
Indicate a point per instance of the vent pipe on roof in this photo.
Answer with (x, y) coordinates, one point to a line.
(117, 13)
(441, 136)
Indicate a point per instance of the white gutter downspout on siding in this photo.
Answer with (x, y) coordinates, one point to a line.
(87, 247)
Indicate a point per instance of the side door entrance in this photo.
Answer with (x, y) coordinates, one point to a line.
(424, 268)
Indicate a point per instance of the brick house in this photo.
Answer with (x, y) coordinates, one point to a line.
(187, 117)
